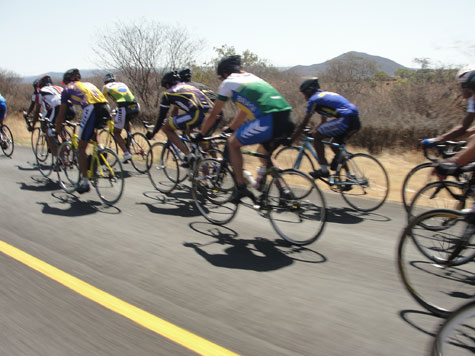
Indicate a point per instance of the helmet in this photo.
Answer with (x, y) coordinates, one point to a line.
(108, 78)
(71, 75)
(35, 84)
(44, 81)
(185, 75)
(228, 65)
(466, 77)
(170, 78)
(310, 86)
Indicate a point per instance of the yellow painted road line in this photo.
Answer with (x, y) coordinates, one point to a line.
(141, 317)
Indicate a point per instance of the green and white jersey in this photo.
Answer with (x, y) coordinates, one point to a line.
(251, 94)
(119, 92)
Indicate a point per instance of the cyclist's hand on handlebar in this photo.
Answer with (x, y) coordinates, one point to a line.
(444, 169)
(228, 130)
(287, 142)
(196, 137)
(149, 135)
(429, 142)
(30, 128)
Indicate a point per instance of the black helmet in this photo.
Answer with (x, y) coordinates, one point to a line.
(71, 75)
(310, 86)
(35, 84)
(228, 65)
(170, 78)
(185, 75)
(44, 81)
(109, 78)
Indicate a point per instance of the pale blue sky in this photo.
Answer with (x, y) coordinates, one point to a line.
(44, 36)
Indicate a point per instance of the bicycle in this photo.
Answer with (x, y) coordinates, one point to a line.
(35, 132)
(136, 142)
(423, 171)
(356, 175)
(105, 170)
(6, 140)
(437, 268)
(291, 201)
(456, 336)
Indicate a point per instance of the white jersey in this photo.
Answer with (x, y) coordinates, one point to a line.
(50, 96)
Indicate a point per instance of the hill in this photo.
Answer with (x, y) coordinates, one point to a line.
(58, 76)
(384, 64)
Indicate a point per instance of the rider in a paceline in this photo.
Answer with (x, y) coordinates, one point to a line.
(127, 109)
(34, 100)
(271, 119)
(187, 98)
(95, 114)
(346, 120)
(49, 97)
(3, 109)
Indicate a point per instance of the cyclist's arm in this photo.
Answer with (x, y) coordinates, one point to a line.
(300, 128)
(161, 117)
(238, 120)
(61, 116)
(36, 114)
(458, 130)
(211, 118)
(31, 107)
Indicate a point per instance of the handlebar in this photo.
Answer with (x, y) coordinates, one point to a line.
(444, 150)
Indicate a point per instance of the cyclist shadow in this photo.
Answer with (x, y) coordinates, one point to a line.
(259, 254)
(420, 319)
(46, 185)
(171, 204)
(32, 167)
(75, 207)
(343, 216)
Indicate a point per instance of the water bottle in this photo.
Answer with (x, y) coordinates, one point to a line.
(249, 178)
(260, 178)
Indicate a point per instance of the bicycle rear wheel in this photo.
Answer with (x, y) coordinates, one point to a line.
(417, 178)
(297, 212)
(363, 182)
(138, 148)
(163, 171)
(67, 167)
(287, 157)
(422, 262)
(108, 176)
(44, 158)
(456, 336)
(213, 190)
(7, 142)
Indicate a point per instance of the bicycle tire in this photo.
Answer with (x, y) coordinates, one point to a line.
(33, 138)
(296, 213)
(138, 147)
(363, 182)
(108, 178)
(412, 182)
(456, 335)
(438, 288)
(107, 140)
(438, 195)
(67, 167)
(44, 158)
(163, 172)
(213, 190)
(287, 157)
(7, 143)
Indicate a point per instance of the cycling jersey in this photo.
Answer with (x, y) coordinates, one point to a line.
(119, 92)
(82, 93)
(50, 96)
(471, 105)
(251, 94)
(330, 104)
(3, 107)
(210, 94)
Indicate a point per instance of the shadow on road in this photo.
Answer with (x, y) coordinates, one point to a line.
(343, 216)
(71, 206)
(258, 254)
(45, 185)
(31, 167)
(171, 204)
(419, 319)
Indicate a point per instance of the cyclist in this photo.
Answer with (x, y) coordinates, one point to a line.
(465, 77)
(49, 97)
(182, 96)
(34, 101)
(3, 109)
(270, 114)
(345, 120)
(127, 109)
(95, 115)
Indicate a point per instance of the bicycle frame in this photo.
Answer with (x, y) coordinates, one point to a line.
(96, 157)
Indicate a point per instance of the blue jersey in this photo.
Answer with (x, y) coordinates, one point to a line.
(2, 99)
(331, 104)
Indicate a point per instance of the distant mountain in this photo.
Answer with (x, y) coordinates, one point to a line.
(58, 76)
(384, 64)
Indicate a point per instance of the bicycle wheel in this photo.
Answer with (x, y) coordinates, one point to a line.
(213, 190)
(438, 287)
(456, 336)
(138, 148)
(108, 176)
(7, 142)
(418, 177)
(287, 157)
(363, 182)
(44, 158)
(34, 137)
(163, 172)
(438, 195)
(297, 213)
(67, 167)
(107, 140)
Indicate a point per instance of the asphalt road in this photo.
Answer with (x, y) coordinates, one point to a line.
(238, 286)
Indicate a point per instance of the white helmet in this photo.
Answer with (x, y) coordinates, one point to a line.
(463, 75)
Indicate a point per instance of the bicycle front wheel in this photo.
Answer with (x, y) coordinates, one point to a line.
(67, 167)
(163, 171)
(44, 158)
(297, 213)
(214, 190)
(418, 177)
(7, 142)
(363, 182)
(456, 336)
(289, 157)
(436, 285)
(138, 148)
(108, 176)
(34, 137)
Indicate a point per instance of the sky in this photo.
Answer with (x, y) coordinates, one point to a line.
(53, 36)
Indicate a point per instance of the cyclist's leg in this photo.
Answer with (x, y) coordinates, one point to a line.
(182, 122)
(119, 124)
(86, 131)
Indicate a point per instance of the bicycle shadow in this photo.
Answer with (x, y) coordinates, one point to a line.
(32, 167)
(46, 185)
(258, 254)
(171, 204)
(419, 319)
(343, 216)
